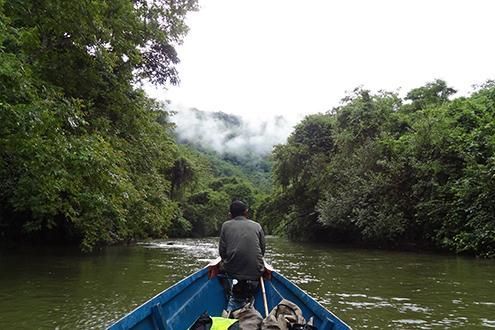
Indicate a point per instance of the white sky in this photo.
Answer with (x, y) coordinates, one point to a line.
(260, 58)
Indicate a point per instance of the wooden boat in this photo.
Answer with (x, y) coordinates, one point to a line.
(179, 306)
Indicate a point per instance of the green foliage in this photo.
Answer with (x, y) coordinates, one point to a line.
(385, 171)
(249, 165)
(298, 168)
(182, 174)
(206, 211)
(252, 166)
(238, 156)
(214, 184)
(84, 155)
(432, 94)
(180, 227)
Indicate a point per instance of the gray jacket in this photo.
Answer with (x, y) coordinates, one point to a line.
(242, 247)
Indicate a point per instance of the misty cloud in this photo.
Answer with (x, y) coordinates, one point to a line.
(226, 133)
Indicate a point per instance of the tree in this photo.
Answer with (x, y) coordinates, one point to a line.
(298, 170)
(84, 154)
(432, 94)
(396, 173)
(182, 174)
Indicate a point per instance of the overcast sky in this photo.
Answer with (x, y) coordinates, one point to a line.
(260, 58)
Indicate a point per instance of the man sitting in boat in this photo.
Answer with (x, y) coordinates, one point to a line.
(241, 247)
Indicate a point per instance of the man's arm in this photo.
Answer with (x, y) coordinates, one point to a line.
(262, 240)
(222, 248)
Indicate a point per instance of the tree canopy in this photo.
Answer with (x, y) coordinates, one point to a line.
(83, 154)
(388, 171)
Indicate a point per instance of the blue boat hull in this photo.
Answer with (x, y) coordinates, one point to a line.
(179, 306)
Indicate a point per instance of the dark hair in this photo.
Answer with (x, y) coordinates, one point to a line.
(238, 208)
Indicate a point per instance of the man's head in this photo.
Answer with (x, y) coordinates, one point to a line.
(238, 208)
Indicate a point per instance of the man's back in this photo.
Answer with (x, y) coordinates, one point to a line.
(242, 247)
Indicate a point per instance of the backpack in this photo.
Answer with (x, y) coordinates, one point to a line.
(286, 316)
(249, 318)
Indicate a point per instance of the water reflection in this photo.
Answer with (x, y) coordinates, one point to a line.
(377, 289)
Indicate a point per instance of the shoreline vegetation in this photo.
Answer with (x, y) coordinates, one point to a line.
(87, 158)
(382, 170)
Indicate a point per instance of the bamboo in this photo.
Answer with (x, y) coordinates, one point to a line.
(265, 302)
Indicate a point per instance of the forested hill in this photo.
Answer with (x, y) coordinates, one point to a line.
(228, 139)
(387, 171)
(222, 158)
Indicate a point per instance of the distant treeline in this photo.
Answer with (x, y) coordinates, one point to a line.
(387, 171)
(85, 156)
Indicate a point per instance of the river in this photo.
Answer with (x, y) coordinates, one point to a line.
(369, 289)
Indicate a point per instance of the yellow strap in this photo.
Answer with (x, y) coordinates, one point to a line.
(221, 323)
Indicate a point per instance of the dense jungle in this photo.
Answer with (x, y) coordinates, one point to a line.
(88, 159)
